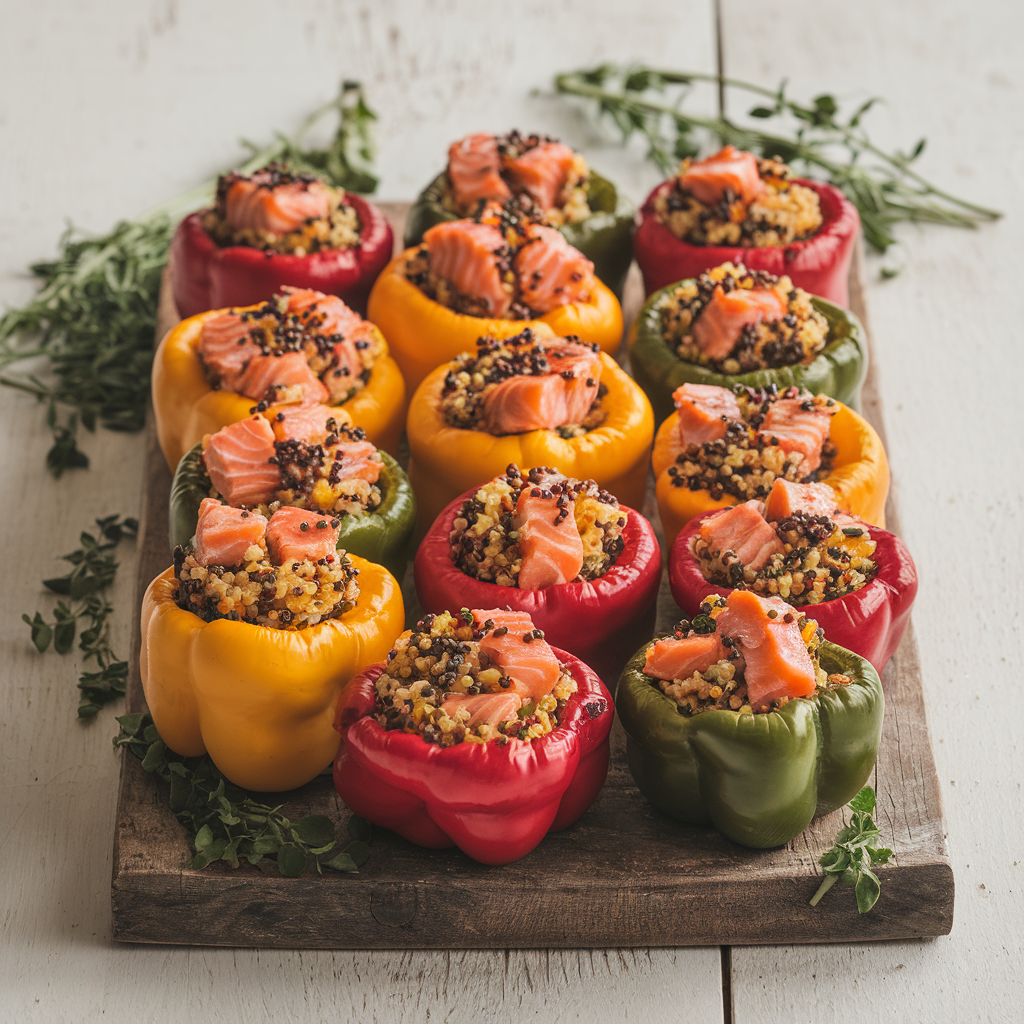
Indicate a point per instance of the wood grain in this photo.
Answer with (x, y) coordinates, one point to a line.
(626, 875)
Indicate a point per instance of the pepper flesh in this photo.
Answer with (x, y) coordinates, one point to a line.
(206, 276)
(819, 264)
(445, 461)
(186, 407)
(494, 802)
(260, 701)
(758, 778)
(870, 621)
(597, 620)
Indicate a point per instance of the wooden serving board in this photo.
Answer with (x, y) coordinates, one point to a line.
(625, 875)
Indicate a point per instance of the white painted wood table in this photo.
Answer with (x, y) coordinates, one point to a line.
(106, 108)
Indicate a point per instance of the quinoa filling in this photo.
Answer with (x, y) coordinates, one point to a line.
(767, 344)
(441, 655)
(485, 543)
(743, 463)
(785, 212)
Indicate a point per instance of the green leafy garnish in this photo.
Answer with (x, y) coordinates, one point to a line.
(94, 317)
(95, 570)
(226, 823)
(883, 186)
(854, 855)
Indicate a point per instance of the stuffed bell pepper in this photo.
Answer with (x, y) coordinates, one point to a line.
(476, 734)
(274, 228)
(534, 400)
(548, 180)
(299, 348)
(307, 457)
(724, 446)
(495, 274)
(736, 326)
(248, 640)
(736, 208)
(583, 567)
(745, 718)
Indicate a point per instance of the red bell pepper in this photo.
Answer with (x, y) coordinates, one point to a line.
(601, 621)
(206, 276)
(494, 802)
(870, 621)
(819, 265)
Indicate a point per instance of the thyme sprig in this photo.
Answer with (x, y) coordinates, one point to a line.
(93, 319)
(883, 186)
(95, 570)
(226, 823)
(854, 855)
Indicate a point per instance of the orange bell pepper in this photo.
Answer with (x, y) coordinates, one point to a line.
(424, 334)
(445, 461)
(260, 701)
(860, 476)
(187, 407)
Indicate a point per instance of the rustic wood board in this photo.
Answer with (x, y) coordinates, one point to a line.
(625, 875)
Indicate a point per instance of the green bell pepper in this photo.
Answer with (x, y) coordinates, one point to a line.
(383, 536)
(758, 778)
(838, 369)
(605, 237)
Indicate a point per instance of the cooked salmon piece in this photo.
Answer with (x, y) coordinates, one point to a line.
(311, 424)
(720, 323)
(704, 412)
(322, 314)
(778, 663)
(287, 370)
(731, 169)
(226, 348)
(551, 272)
(225, 534)
(549, 540)
(543, 171)
(474, 166)
(354, 460)
(258, 204)
(742, 530)
(798, 430)
(530, 664)
(786, 497)
(238, 462)
(467, 254)
(675, 658)
(483, 708)
(299, 534)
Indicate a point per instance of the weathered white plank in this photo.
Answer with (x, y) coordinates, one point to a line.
(947, 330)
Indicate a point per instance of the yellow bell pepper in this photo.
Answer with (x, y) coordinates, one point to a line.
(445, 461)
(260, 701)
(860, 476)
(187, 407)
(424, 334)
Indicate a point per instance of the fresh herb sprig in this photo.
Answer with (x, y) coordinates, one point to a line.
(93, 319)
(854, 855)
(95, 570)
(883, 186)
(226, 823)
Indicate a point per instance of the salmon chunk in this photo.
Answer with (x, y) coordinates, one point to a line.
(786, 497)
(742, 530)
(311, 424)
(354, 460)
(797, 430)
(287, 370)
(296, 533)
(225, 534)
(483, 708)
(226, 348)
(552, 551)
(704, 412)
(720, 323)
(729, 169)
(778, 664)
(551, 272)
(254, 204)
(467, 254)
(474, 166)
(530, 664)
(322, 314)
(543, 172)
(238, 461)
(675, 658)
